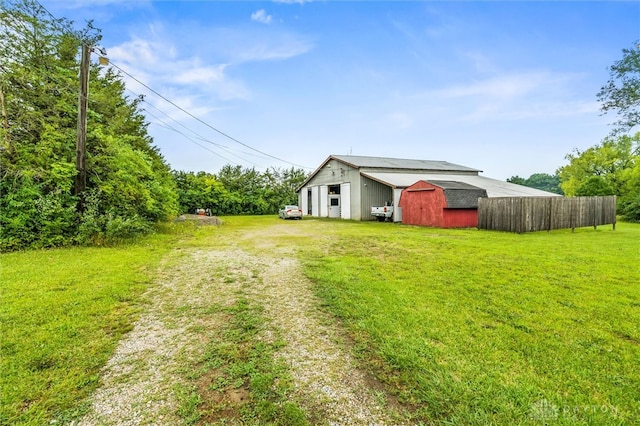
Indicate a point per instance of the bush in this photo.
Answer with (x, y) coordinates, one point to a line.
(630, 208)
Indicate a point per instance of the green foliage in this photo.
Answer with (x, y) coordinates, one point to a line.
(610, 168)
(595, 186)
(630, 207)
(621, 94)
(542, 181)
(129, 184)
(235, 191)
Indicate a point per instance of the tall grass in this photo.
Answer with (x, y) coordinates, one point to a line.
(477, 327)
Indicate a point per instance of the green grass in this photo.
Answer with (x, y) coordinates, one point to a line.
(464, 326)
(238, 380)
(478, 327)
(62, 314)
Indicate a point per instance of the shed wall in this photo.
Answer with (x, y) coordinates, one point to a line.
(460, 218)
(425, 204)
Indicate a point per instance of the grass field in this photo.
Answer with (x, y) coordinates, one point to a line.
(62, 314)
(478, 327)
(464, 326)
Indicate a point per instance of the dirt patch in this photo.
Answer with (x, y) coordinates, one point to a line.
(199, 219)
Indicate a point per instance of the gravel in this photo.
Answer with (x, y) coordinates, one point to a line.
(139, 380)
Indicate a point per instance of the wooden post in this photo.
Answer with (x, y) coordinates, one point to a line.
(83, 98)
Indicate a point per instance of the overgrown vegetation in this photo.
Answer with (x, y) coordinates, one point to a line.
(129, 185)
(610, 168)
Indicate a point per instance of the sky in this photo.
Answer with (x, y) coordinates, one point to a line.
(507, 87)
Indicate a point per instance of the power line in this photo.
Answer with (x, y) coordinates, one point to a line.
(205, 123)
(197, 135)
(57, 22)
(165, 125)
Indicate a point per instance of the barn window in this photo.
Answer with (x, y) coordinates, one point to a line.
(335, 202)
(334, 189)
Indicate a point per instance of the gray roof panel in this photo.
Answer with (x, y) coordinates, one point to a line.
(362, 162)
(494, 187)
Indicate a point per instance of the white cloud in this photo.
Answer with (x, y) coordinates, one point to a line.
(506, 86)
(136, 50)
(262, 44)
(261, 16)
(198, 75)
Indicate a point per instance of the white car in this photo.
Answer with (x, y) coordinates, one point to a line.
(290, 212)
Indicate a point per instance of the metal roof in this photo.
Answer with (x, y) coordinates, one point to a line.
(452, 184)
(362, 162)
(494, 187)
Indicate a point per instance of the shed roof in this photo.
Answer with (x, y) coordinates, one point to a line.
(460, 195)
(494, 187)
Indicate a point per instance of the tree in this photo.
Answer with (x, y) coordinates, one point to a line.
(129, 184)
(595, 186)
(621, 94)
(201, 191)
(611, 160)
(610, 168)
(542, 181)
(234, 190)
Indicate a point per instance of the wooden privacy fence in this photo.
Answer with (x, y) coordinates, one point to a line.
(528, 214)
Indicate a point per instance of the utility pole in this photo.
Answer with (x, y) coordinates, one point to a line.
(83, 100)
(5, 120)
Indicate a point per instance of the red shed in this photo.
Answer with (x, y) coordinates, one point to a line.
(441, 204)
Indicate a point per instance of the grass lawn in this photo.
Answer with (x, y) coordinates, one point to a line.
(62, 314)
(481, 327)
(464, 326)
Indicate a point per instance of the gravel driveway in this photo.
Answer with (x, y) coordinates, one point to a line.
(139, 382)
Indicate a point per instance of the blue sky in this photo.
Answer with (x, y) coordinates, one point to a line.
(506, 87)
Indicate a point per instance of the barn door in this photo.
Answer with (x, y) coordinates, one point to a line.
(314, 202)
(324, 201)
(345, 200)
(304, 200)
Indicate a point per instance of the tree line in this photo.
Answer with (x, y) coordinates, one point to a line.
(130, 185)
